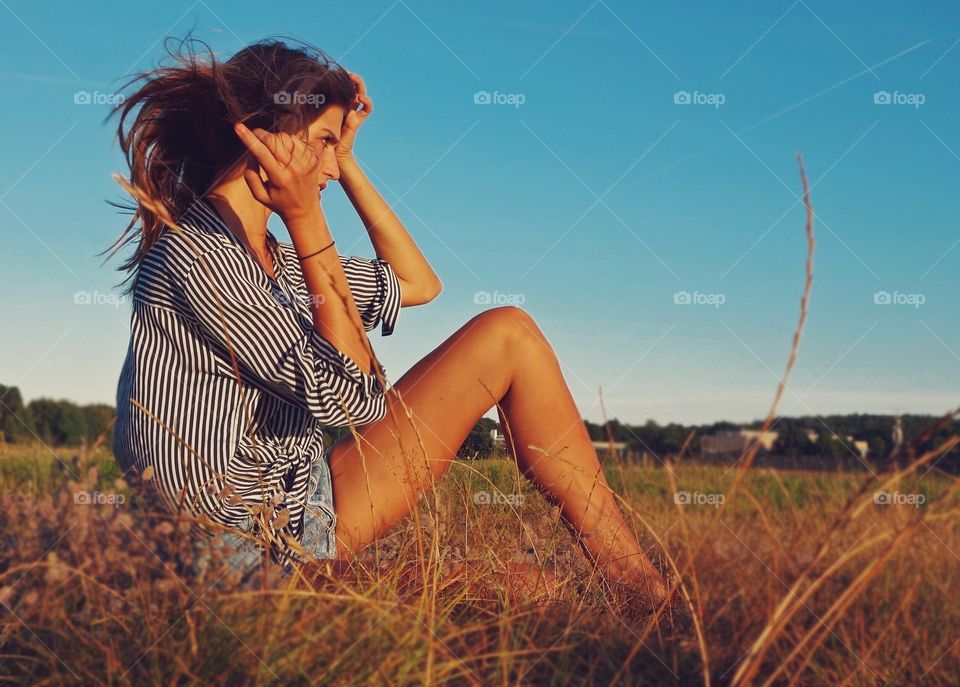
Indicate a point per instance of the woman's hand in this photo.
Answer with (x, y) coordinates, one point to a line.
(353, 120)
(293, 172)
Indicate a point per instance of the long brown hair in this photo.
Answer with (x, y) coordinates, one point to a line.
(181, 141)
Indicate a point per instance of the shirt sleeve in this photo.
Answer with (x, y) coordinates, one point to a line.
(277, 349)
(376, 291)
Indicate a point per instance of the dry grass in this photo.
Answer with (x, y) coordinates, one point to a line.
(97, 594)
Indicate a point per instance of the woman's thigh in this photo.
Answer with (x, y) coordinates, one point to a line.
(430, 411)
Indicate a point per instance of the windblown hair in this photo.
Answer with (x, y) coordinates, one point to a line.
(181, 141)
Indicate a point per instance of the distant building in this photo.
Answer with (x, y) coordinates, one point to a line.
(862, 447)
(856, 445)
(603, 448)
(725, 444)
(766, 439)
(735, 442)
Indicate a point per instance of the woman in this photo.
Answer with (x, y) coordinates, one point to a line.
(242, 346)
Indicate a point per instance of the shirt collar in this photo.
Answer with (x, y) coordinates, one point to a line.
(202, 214)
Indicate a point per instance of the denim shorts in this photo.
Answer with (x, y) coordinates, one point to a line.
(319, 528)
(320, 516)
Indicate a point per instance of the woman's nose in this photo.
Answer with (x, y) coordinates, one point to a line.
(330, 166)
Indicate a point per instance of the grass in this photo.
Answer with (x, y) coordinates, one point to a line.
(97, 593)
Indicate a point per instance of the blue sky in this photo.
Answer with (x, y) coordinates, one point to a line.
(588, 190)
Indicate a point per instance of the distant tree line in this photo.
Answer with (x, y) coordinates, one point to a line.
(54, 422)
(793, 447)
(61, 422)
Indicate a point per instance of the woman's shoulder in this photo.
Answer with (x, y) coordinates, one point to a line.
(178, 250)
(170, 260)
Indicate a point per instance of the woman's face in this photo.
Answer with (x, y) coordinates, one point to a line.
(323, 134)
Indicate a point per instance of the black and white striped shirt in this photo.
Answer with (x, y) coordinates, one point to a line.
(208, 438)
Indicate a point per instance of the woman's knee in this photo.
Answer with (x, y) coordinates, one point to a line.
(511, 324)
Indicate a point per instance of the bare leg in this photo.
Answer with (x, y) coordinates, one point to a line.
(500, 352)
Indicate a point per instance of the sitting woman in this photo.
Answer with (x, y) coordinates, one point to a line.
(243, 347)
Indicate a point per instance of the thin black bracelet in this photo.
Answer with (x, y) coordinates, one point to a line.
(304, 257)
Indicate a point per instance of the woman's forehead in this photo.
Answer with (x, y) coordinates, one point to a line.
(330, 118)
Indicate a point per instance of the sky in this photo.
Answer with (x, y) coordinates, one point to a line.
(625, 172)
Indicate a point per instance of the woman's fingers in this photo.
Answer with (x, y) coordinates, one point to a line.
(288, 145)
(260, 150)
(280, 144)
(291, 166)
(277, 151)
(362, 97)
(358, 80)
(367, 104)
(255, 183)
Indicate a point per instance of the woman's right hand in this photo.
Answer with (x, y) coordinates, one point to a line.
(293, 172)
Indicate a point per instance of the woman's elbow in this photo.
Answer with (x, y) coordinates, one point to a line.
(421, 293)
(434, 290)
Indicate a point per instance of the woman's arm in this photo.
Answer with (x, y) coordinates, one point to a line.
(391, 241)
(274, 347)
(293, 170)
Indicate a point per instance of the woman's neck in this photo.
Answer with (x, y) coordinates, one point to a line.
(243, 214)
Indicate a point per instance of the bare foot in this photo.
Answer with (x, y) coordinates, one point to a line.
(649, 597)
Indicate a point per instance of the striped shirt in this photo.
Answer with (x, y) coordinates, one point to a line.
(218, 447)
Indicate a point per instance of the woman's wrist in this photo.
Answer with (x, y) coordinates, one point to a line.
(315, 253)
(349, 169)
(309, 232)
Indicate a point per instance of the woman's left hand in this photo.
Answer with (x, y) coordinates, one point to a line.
(354, 118)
